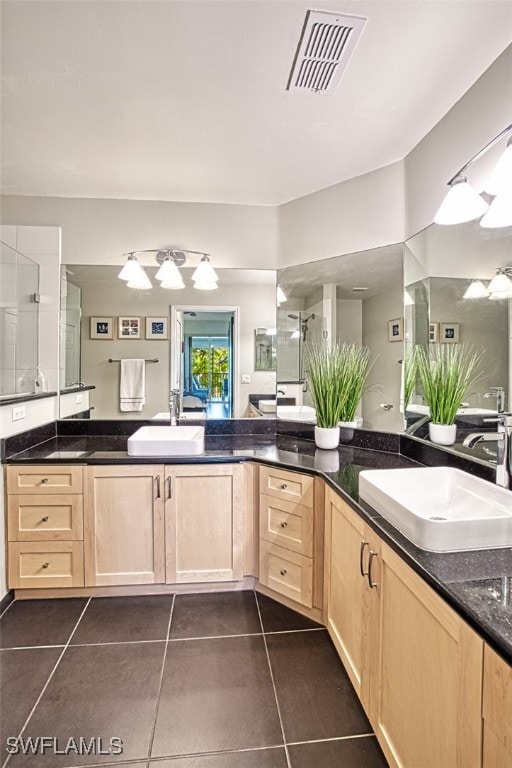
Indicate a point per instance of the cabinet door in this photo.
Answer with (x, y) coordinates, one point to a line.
(497, 711)
(429, 675)
(204, 522)
(349, 597)
(124, 525)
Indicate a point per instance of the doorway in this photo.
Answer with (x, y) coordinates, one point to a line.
(204, 340)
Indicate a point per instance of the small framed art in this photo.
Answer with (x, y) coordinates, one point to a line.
(101, 328)
(433, 332)
(396, 329)
(449, 333)
(156, 328)
(128, 328)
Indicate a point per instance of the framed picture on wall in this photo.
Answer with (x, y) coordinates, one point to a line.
(156, 328)
(433, 332)
(101, 328)
(449, 333)
(128, 328)
(396, 329)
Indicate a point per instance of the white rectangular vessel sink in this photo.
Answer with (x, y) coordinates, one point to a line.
(267, 406)
(166, 441)
(439, 508)
(296, 413)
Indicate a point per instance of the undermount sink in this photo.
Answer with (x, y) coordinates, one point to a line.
(267, 406)
(439, 508)
(166, 441)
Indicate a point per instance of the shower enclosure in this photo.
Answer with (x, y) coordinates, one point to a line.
(295, 330)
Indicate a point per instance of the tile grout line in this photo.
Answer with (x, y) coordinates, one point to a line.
(29, 647)
(160, 684)
(288, 761)
(332, 738)
(7, 608)
(50, 677)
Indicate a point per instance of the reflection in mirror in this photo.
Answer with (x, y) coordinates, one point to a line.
(105, 297)
(348, 298)
(19, 318)
(439, 265)
(265, 355)
(70, 309)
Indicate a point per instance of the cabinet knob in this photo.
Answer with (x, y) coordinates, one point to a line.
(45, 519)
(283, 486)
(283, 571)
(283, 525)
(45, 565)
(44, 480)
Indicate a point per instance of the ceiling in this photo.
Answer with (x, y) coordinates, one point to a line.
(186, 100)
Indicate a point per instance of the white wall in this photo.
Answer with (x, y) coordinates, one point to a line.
(356, 215)
(483, 111)
(100, 231)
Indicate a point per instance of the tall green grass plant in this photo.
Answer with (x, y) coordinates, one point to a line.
(336, 377)
(447, 374)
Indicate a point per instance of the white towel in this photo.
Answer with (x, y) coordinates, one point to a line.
(132, 390)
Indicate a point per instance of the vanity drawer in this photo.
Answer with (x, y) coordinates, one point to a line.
(46, 564)
(286, 523)
(289, 486)
(286, 572)
(45, 518)
(44, 479)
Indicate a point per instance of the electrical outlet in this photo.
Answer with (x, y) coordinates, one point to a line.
(246, 378)
(79, 399)
(18, 412)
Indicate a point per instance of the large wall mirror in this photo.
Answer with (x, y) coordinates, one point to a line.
(211, 334)
(351, 298)
(440, 263)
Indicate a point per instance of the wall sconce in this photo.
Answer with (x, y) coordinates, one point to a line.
(281, 296)
(500, 287)
(169, 275)
(463, 203)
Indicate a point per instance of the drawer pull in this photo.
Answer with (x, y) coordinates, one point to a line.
(45, 565)
(44, 480)
(283, 571)
(283, 525)
(157, 478)
(45, 519)
(361, 552)
(283, 486)
(371, 583)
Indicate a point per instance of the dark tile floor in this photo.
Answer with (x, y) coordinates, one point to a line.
(226, 680)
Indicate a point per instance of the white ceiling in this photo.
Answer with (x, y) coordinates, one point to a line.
(186, 99)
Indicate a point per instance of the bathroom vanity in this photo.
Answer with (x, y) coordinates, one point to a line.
(426, 638)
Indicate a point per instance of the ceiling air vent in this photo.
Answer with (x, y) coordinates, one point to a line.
(325, 46)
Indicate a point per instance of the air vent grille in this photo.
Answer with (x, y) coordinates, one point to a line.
(325, 46)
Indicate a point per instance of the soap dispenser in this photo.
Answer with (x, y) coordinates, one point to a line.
(40, 382)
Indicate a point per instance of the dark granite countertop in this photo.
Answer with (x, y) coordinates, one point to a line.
(477, 583)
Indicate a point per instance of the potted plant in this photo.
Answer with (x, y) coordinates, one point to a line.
(336, 375)
(447, 372)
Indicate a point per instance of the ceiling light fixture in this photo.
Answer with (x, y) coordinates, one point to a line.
(169, 275)
(463, 203)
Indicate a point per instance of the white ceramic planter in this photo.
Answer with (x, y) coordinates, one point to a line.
(442, 434)
(327, 437)
(356, 424)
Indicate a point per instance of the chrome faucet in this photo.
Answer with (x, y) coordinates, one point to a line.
(174, 406)
(504, 439)
(499, 394)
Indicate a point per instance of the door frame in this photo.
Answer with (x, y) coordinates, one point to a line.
(235, 362)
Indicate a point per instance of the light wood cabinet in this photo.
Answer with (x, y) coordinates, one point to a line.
(497, 711)
(415, 664)
(45, 526)
(124, 525)
(204, 522)
(291, 535)
(352, 604)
